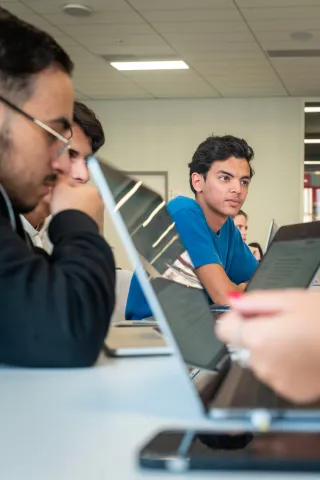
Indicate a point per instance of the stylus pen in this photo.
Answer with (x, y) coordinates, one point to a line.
(185, 444)
(193, 373)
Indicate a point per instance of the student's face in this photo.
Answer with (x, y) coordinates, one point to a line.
(29, 156)
(226, 186)
(79, 150)
(241, 223)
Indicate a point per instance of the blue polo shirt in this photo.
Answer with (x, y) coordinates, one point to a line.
(225, 248)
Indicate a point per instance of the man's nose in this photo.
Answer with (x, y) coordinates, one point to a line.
(236, 186)
(79, 171)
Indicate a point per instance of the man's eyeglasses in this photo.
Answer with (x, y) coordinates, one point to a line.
(66, 142)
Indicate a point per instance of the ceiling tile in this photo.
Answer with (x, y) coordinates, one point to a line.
(207, 39)
(128, 43)
(294, 13)
(227, 51)
(248, 91)
(65, 41)
(16, 8)
(101, 77)
(305, 90)
(196, 90)
(210, 35)
(196, 15)
(232, 66)
(39, 22)
(298, 69)
(79, 53)
(93, 87)
(160, 76)
(243, 78)
(180, 4)
(276, 3)
(101, 5)
(283, 38)
(122, 96)
(127, 49)
(104, 18)
(284, 25)
(115, 32)
(200, 27)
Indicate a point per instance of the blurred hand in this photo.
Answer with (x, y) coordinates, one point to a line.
(77, 196)
(243, 286)
(282, 331)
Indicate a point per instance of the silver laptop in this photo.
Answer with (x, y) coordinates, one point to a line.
(225, 390)
(274, 227)
(136, 340)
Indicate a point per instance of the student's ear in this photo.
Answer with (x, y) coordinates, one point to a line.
(197, 181)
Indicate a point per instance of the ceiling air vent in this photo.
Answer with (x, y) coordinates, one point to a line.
(293, 53)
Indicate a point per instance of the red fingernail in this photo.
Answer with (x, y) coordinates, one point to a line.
(235, 295)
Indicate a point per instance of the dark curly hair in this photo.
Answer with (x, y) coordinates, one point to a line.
(217, 148)
(25, 51)
(89, 123)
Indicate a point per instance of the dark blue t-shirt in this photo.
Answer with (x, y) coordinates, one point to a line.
(204, 246)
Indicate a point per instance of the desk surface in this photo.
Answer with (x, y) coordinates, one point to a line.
(88, 424)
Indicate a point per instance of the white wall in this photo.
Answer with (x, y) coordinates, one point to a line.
(163, 135)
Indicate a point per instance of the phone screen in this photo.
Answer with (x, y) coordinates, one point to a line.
(235, 450)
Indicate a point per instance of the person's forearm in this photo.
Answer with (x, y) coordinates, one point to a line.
(217, 284)
(221, 296)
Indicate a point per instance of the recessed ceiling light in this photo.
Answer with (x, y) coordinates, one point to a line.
(301, 36)
(312, 109)
(76, 10)
(162, 65)
(312, 140)
(312, 162)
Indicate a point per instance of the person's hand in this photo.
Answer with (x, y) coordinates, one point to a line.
(281, 329)
(77, 196)
(242, 286)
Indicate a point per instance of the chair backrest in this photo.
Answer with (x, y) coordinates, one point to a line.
(123, 280)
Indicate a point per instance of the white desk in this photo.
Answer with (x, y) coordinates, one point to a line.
(88, 424)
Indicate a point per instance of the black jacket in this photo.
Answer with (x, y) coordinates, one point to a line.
(54, 310)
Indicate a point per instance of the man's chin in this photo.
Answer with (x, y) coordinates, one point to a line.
(23, 208)
(233, 211)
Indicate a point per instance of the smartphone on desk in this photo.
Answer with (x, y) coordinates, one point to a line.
(180, 451)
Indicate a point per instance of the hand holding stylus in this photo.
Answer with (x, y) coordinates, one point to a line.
(281, 329)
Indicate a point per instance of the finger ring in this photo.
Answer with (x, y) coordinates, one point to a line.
(242, 356)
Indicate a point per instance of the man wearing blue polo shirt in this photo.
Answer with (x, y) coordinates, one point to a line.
(220, 174)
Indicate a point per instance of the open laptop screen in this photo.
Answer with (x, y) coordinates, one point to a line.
(169, 267)
(274, 227)
(292, 259)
